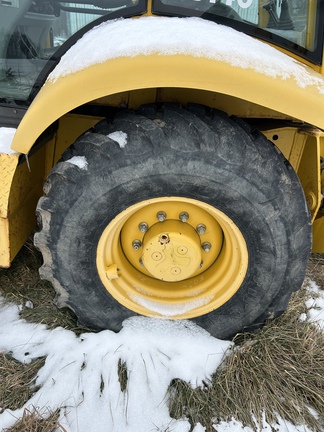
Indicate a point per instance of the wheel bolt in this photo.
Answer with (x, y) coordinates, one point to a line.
(136, 244)
(183, 216)
(201, 229)
(206, 246)
(161, 215)
(143, 227)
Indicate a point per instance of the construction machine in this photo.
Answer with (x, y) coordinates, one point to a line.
(170, 151)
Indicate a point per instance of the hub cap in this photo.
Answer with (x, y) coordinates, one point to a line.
(172, 257)
(173, 254)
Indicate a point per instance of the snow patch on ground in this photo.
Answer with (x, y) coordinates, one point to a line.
(80, 375)
(315, 305)
(281, 426)
(79, 161)
(120, 137)
(190, 36)
(6, 137)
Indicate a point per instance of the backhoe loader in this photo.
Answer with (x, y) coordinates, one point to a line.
(167, 155)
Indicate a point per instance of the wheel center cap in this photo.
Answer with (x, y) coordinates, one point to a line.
(171, 251)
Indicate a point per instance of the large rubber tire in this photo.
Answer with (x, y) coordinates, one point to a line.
(195, 153)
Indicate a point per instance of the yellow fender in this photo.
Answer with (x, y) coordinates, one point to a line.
(168, 71)
(56, 98)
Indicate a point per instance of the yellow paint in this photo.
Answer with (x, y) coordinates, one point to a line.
(302, 147)
(196, 214)
(171, 251)
(318, 225)
(192, 288)
(309, 174)
(242, 92)
(318, 235)
(58, 98)
(8, 164)
(290, 141)
(20, 188)
(4, 243)
(27, 188)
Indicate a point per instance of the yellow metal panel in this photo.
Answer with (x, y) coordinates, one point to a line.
(56, 99)
(290, 141)
(4, 243)
(309, 174)
(318, 236)
(26, 189)
(297, 149)
(21, 187)
(8, 164)
(284, 139)
(318, 225)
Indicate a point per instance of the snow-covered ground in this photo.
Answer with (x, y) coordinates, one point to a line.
(80, 375)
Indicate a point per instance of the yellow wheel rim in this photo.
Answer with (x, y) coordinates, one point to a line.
(172, 257)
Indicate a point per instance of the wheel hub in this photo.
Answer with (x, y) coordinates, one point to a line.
(173, 257)
(171, 251)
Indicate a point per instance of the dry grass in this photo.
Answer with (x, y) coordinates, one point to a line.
(315, 269)
(34, 421)
(122, 375)
(20, 284)
(279, 370)
(17, 383)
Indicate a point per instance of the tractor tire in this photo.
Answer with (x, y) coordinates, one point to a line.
(174, 213)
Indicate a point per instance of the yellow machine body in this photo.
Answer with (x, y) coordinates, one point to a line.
(52, 123)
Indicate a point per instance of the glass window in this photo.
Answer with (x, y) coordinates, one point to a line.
(32, 32)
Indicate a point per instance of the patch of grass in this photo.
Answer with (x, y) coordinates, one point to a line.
(122, 375)
(279, 370)
(17, 383)
(20, 284)
(315, 269)
(35, 421)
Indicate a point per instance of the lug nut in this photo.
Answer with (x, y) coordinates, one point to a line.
(206, 246)
(143, 227)
(161, 215)
(201, 229)
(141, 262)
(136, 244)
(183, 216)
